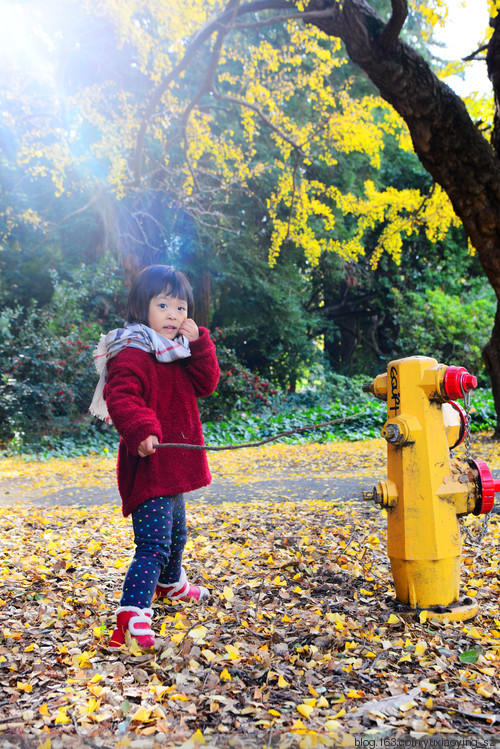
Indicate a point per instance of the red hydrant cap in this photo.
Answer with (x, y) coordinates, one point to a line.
(458, 382)
(487, 488)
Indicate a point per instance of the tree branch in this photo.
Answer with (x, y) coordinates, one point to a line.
(261, 115)
(262, 442)
(391, 31)
(294, 192)
(206, 86)
(306, 16)
(196, 44)
(474, 55)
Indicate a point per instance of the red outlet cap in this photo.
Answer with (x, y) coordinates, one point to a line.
(487, 488)
(458, 382)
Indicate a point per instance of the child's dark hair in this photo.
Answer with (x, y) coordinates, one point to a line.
(153, 281)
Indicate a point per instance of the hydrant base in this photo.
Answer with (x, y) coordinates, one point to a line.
(453, 613)
(426, 583)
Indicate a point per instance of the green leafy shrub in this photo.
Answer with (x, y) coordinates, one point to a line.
(365, 421)
(46, 358)
(447, 327)
(483, 415)
(238, 388)
(366, 415)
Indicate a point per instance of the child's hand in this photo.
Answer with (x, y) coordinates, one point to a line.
(190, 329)
(148, 446)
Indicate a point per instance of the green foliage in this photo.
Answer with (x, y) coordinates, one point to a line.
(338, 398)
(263, 312)
(450, 328)
(245, 427)
(41, 381)
(238, 388)
(471, 656)
(85, 439)
(46, 354)
(483, 415)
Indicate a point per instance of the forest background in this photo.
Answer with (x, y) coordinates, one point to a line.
(262, 162)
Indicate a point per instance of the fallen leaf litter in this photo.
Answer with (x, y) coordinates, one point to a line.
(302, 643)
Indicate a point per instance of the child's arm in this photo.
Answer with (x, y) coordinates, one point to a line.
(126, 392)
(202, 366)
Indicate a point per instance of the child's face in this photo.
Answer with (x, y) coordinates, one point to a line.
(166, 314)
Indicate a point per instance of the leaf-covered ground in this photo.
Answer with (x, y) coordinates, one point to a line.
(302, 643)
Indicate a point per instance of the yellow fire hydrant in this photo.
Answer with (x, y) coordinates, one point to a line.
(427, 490)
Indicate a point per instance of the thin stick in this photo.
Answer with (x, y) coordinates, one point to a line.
(262, 442)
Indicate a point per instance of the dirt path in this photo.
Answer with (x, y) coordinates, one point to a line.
(310, 471)
(274, 472)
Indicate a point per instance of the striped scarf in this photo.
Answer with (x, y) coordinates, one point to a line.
(134, 335)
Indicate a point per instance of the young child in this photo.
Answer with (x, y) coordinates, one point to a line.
(155, 369)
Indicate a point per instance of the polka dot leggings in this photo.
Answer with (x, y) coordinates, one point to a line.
(160, 534)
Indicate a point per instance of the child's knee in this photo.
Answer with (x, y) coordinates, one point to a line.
(156, 553)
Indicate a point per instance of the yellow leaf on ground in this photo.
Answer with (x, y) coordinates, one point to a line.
(233, 652)
(298, 727)
(405, 706)
(198, 634)
(332, 725)
(24, 686)
(310, 741)
(198, 738)
(485, 690)
(142, 714)
(305, 710)
(473, 632)
(62, 716)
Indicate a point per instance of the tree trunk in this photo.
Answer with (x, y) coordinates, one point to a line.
(491, 354)
(202, 300)
(447, 142)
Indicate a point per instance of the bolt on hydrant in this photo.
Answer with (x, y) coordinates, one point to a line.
(427, 489)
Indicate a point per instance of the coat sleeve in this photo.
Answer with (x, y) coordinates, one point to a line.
(202, 366)
(127, 393)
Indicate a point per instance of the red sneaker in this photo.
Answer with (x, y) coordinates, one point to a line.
(182, 590)
(137, 622)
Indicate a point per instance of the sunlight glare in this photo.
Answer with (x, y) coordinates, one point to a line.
(23, 45)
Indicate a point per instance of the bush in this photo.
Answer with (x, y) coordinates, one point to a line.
(46, 357)
(446, 327)
(47, 378)
(238, 388)
(366, 415)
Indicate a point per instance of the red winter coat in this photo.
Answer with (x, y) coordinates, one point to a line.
(145, 396)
